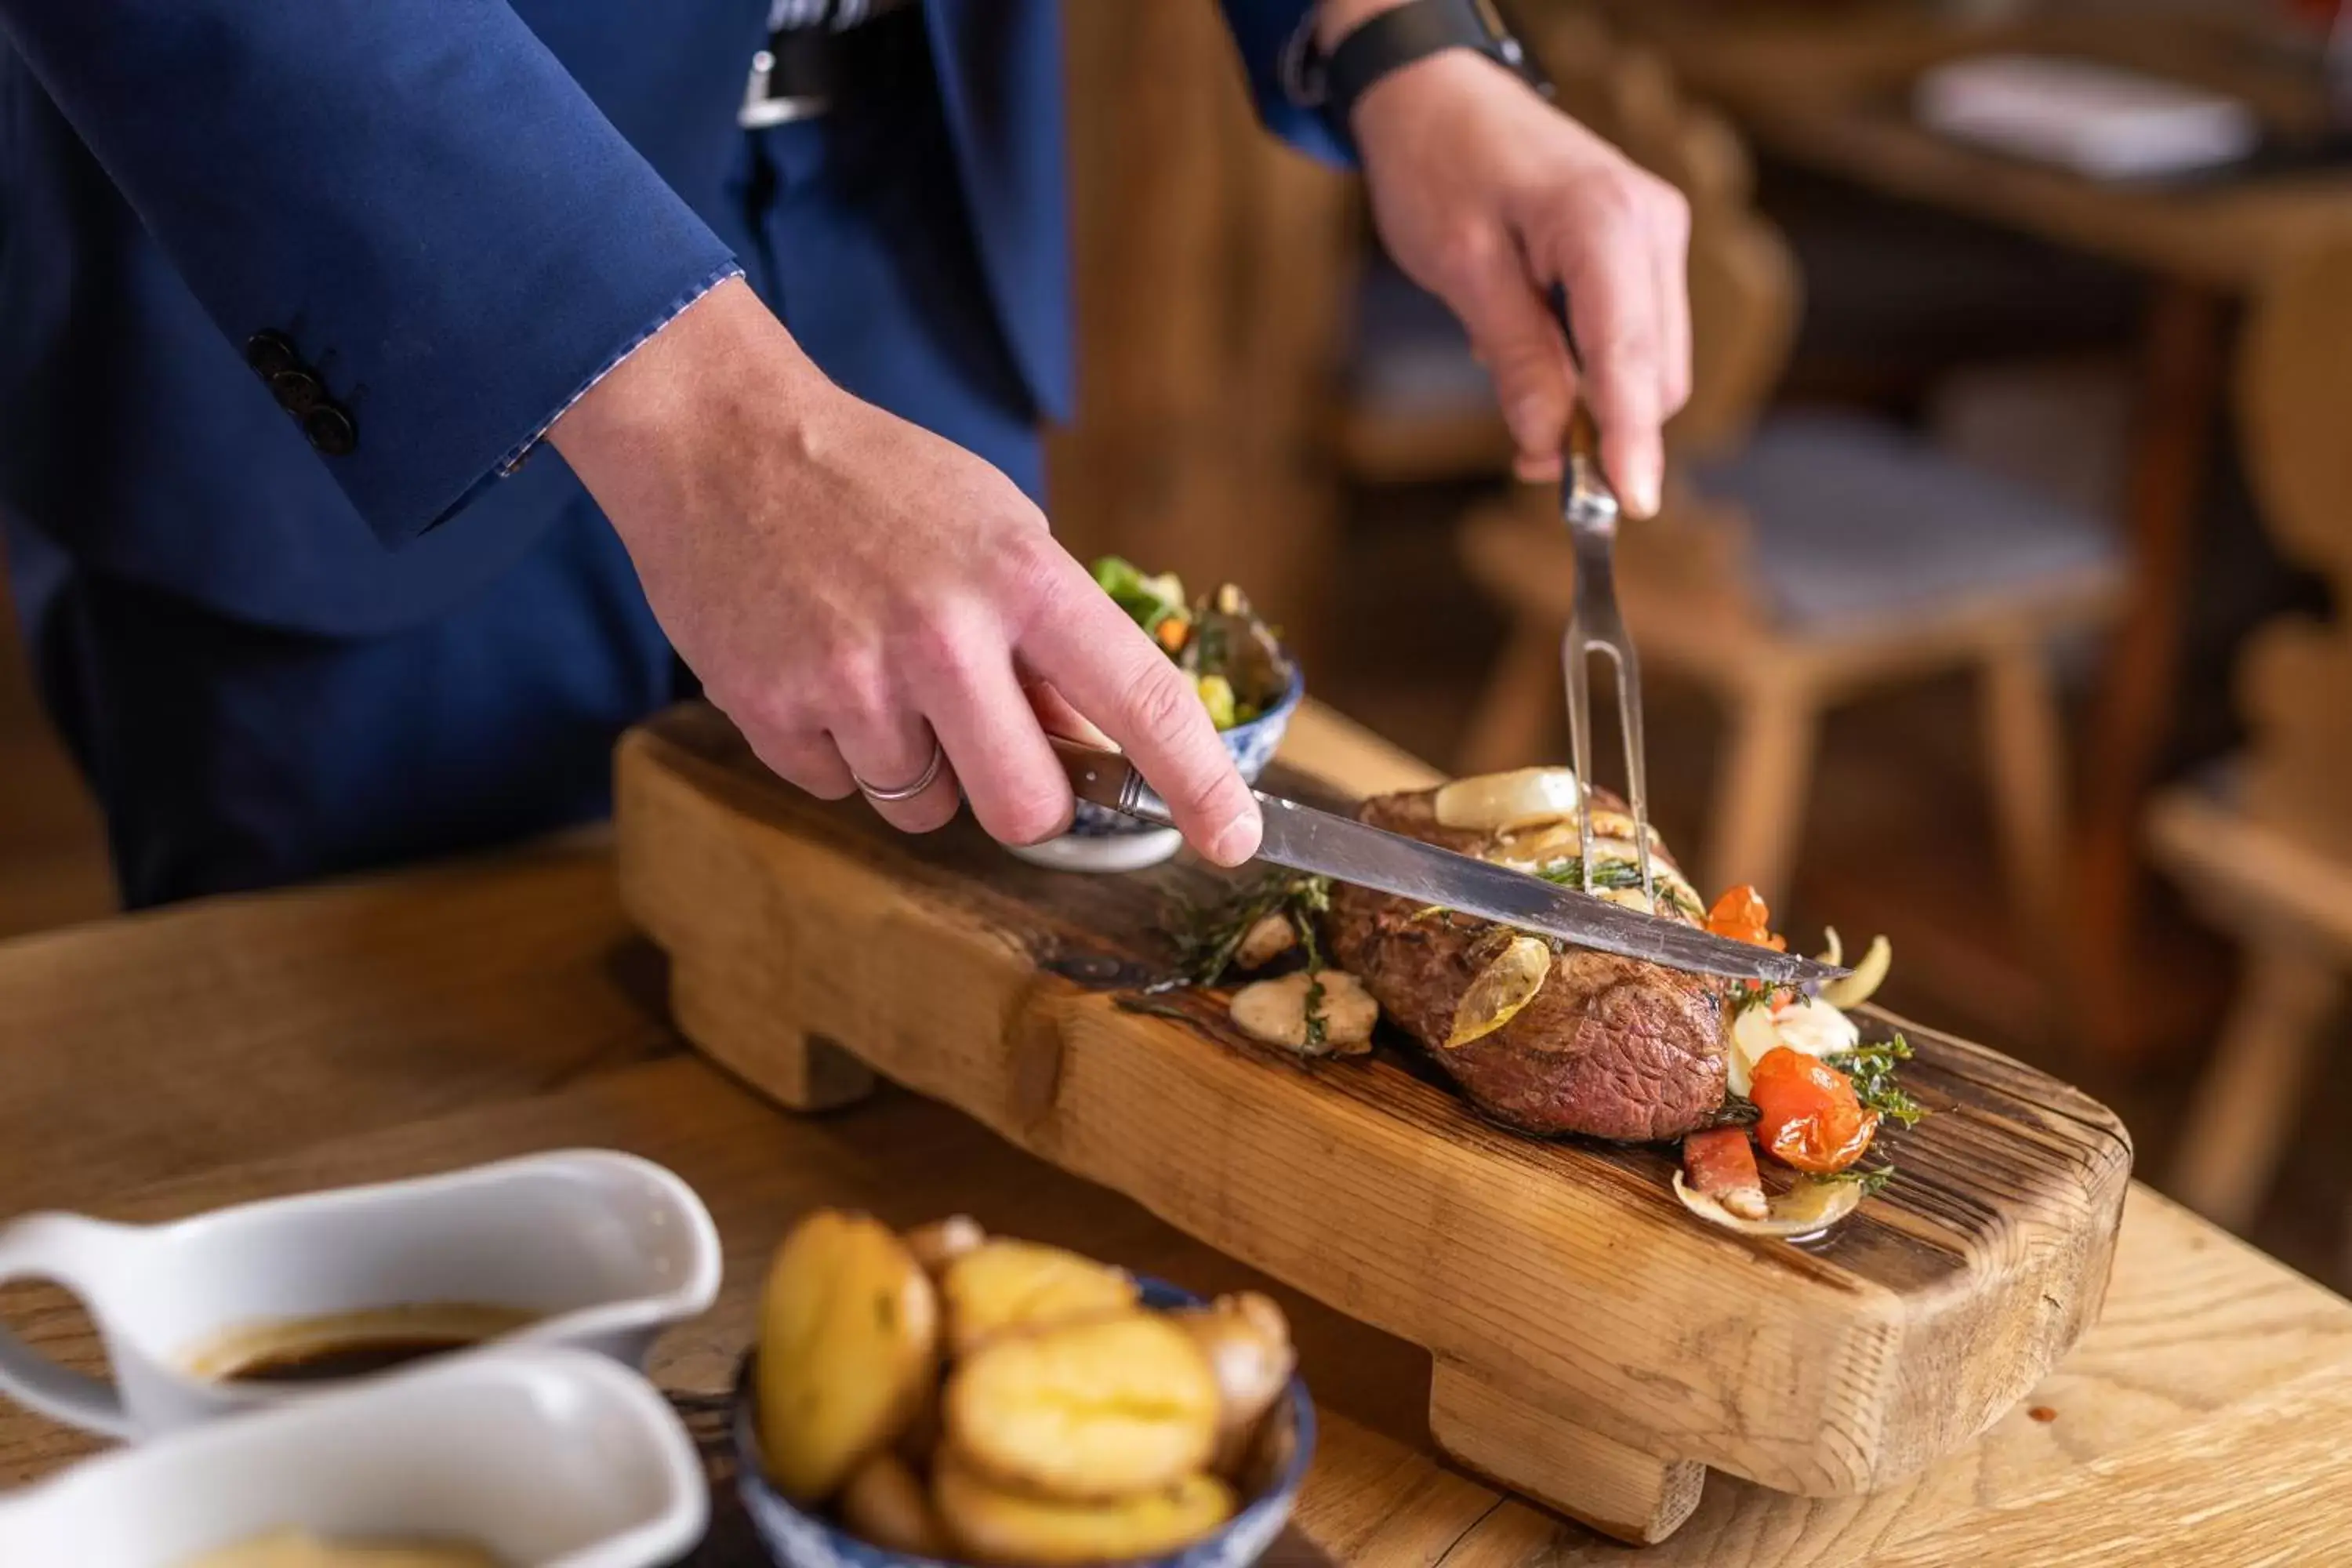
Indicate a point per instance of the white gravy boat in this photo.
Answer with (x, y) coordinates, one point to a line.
(543, 1457)
(603, 1250)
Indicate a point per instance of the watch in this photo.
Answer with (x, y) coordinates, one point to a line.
(1396, 38)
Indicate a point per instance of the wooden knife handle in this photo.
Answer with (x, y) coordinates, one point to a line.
(1107, 779)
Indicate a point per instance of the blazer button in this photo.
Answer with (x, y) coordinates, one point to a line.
(269, 352)
(297, 391)
(331, 430)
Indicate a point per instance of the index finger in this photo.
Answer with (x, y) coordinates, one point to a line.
(1119, 678)
(1614, 301)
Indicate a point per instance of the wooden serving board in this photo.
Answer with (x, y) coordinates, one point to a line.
(1595, 1347)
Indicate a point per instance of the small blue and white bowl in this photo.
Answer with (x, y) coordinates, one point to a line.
(796, 1538)
(1100, 839)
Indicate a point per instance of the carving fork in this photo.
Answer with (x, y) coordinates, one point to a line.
(1589, 507)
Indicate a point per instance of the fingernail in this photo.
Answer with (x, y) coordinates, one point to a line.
(1645, 495)
(1237, 840)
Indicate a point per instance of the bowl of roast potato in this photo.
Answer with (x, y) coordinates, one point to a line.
(948, 1396)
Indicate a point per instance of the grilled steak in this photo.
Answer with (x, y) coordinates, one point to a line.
(1609, 1047)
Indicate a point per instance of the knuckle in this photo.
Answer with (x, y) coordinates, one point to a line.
(1162, 709)
(1465, 255)
(943, 644)
(1032, 816)
(854, 685)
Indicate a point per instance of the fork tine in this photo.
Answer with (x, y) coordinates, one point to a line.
(1572, 653)
(1629, 721)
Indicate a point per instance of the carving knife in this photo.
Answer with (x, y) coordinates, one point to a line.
(1305, 839)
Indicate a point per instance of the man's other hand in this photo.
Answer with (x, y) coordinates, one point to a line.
(1486, 196)
(852, 590)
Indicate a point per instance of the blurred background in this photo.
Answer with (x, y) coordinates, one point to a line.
(1996, 604)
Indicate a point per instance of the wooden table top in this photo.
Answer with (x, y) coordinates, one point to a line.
(165, 1063)
(1827, 87)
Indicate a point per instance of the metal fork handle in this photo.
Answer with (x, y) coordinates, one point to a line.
(1589, 506)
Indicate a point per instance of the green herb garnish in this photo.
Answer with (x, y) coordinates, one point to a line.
(1872, 1180)
(1568, 872)
(1207, 939)
(1748, 996)
(1737, 1111)
(1872, 1068)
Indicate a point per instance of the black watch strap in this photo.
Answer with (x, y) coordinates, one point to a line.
(1399, 36)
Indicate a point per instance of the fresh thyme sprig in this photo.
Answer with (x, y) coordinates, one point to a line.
(1206, 940)
(1871, 1179)
(1872, 1068)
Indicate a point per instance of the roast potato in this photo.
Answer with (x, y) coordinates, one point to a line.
(991, 1525)
(1085, 1411)
(848, 1342)
(1247, 1341)
(941, 1242)
(884, 1504)
(1001, 1284)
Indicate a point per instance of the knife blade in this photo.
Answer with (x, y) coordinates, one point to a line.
(1306, 839)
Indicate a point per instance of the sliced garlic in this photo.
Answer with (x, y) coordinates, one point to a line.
(1867, 976)
(1835, 954)
(1275, 1011)
(1498, 803)
(1508, 982)
(1806, 1209)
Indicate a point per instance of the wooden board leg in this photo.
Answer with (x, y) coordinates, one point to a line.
(1759, 810)
(1522, 702)
(737, 1025)
(2252, 1091)
(2025, 746)
(1620, 1491)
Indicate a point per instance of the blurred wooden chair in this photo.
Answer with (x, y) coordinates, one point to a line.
(2264, 846)
(1800, 558)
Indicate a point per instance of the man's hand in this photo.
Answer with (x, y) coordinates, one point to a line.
(848, 587)
(1486, 196)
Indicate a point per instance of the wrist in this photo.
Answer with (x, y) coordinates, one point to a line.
(689, 383)
(1335, 19)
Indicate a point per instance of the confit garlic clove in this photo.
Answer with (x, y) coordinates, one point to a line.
(1274, 1012)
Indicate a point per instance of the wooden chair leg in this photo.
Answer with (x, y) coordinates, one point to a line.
(2246, 1104)
(1523, 701)
(2025, 751)
(1759, 804)
(1618, 1490)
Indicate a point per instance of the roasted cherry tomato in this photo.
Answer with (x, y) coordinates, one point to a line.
(1807, 1115)
(1741, 916)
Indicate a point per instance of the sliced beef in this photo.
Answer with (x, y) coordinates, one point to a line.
(1609, 1047)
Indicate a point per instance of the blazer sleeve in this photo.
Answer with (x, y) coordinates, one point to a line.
(408, 202)
(1265, 31)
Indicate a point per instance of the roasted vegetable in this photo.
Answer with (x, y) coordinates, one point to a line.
(1507, 802)
(1741, 915)
(1807, 1114)
(1806, 1209)
(1247, 1341)
(848, 1337)
(1722, 1165)
(1003, 1284)
(992, 1525)
(941, 1242)
(883, 1502)
(1084, 1411)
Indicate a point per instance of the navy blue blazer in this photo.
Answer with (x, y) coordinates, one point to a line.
(455, 214)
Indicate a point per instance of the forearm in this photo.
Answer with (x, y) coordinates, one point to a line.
(412, 197)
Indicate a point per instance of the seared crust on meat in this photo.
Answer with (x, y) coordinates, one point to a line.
(1611, 1047)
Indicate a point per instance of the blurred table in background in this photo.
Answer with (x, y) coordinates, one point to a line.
(1826, 87)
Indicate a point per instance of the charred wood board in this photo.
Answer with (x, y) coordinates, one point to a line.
(1595, 1347)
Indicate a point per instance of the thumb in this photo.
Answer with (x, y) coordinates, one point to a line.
(1520, 344)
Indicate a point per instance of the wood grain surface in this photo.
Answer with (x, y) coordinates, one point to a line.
(1563, 1271)
(525, 993)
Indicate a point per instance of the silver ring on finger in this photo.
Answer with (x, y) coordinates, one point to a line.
(929, 775)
